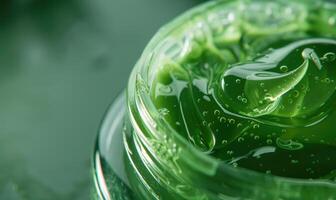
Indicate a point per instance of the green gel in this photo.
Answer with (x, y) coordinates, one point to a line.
(272, 111)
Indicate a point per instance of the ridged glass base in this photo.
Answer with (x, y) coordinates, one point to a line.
(108, 165)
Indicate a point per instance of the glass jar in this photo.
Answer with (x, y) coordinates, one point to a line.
(140, 156)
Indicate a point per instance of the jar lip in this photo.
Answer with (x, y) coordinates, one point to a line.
(141, 67)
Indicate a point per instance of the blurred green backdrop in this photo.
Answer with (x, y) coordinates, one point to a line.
(62, 63)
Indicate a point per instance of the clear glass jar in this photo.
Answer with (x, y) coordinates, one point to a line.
(139, 156)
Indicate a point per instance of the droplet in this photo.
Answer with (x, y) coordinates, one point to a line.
(238, 81)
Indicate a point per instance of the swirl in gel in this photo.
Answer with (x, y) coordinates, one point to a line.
(282, 83)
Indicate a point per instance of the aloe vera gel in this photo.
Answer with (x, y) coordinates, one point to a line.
(271, 111)
(236, 100)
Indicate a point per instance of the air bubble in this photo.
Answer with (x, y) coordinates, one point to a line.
(326, 80)
(229, 152)
(240, 139)
(222, 119)
(232, 121)
(216, 112)
(329, 57)
(296, 93)
(206, 98)
(284, 68)
(256, 126)
(288, 144)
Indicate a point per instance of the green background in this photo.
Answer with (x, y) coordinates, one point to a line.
(62, 63)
